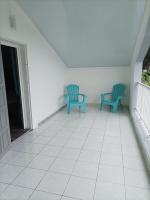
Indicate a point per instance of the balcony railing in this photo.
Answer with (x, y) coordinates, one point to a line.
(143, 106)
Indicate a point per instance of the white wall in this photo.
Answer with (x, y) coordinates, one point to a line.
(96, 80)
(46, 70)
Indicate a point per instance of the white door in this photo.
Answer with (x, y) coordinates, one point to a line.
(4, 121)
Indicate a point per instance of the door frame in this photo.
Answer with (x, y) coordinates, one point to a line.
(23, 79)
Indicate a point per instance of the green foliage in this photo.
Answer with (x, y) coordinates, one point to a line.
(146, 77)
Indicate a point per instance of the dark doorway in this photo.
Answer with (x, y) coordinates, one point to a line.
(13, 92)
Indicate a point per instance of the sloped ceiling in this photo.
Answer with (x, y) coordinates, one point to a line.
(145, 45)
(88, 33)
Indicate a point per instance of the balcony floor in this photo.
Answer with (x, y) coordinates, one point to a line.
(88, 156)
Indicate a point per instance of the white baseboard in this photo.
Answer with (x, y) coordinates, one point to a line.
(47, 118)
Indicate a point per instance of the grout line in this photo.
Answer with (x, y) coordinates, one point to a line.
(45, 172)
(25, 167)
(100, 157)
(122, 157)
(50, 166)
(76, 161)
(13, 179)
(94, 118)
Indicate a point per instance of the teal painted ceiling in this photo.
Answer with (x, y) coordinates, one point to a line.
(88, 33)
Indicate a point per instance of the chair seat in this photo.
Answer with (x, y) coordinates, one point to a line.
(109, 102)
(76, 102)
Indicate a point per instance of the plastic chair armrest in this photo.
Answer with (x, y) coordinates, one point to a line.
(84, 97)
(104, 95)
(66, 98)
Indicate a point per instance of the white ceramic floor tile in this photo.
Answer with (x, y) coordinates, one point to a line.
(1, 164)
(112, 149)
(74, 143)
(131, 151)
(128, 141)
(9, 172)
(96, 132)
(99, 126)
(109, 191)
(80, 188)
(133, 193)
(17, 158)
(50, 133)
(79, 136)
(112, 140)
(67, 198)
(3, 187)
(38, 195)
(111, 174)
(50, 151)
(28, 147)
(110, 159)
(58, 141)
(137, 178)
(81, 133)
(63, 166)
(87, 170)
(28, 137)
(41, 162)
(29, 178)
(113, 132)
(42, 140)
(92, 145)
(94, 138)
(54, 183)
(75, 137)
(82, 130)
(68, 153)
(67, 144)
(67, 132)
(89, 156)
(87, 123)
(133, 162)
(16, 193)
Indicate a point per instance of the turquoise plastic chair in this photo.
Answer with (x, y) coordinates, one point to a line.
(74, 99)
(116, 96)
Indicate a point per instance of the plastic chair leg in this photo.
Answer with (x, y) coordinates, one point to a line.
(68, 109)
(114, 108)
(101, 106)
(84, 108)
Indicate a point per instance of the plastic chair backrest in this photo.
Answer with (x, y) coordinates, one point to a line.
(73, 91)
(118, 90)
